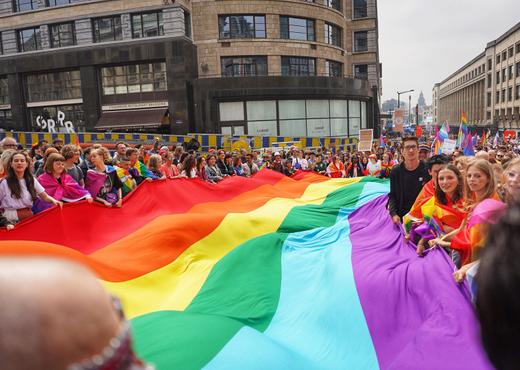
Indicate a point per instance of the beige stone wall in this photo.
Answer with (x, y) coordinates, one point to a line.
(210, 49)
(88, 9)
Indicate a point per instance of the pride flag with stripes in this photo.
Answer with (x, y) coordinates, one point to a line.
(266, 273)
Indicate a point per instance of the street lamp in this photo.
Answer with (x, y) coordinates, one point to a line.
(399, 97)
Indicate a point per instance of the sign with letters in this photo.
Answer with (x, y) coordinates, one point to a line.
(366, 137)
(50, 125)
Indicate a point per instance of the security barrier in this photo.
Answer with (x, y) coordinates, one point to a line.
(206, 140)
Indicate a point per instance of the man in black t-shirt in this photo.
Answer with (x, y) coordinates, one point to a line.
(406, 180)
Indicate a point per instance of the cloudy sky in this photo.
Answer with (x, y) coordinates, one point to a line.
(421, 42)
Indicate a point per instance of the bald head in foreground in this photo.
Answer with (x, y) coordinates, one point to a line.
(53, 314)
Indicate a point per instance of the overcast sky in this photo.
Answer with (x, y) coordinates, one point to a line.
(422, 42)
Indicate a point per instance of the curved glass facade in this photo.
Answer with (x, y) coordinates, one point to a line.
(296, 118)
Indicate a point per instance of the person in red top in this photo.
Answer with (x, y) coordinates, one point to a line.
(336, 169)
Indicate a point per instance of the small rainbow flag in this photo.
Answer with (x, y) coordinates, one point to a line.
(268, 272)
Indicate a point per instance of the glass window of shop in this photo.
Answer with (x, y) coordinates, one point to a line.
(241, 26)
(243, 66)
(297, 118)
(73, 113)
(4, 91)
(147, 25)
(333, 68)
(297, 29)
(261, 118)
(107, 29)
(292, 118)
(298, 66)
(54, 86)
(134, 78)
(360, 9)
(25, 5)
(63, 34)
(333, 34)
(29, 39)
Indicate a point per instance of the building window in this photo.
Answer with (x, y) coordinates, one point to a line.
(504, 96)
(333, 68)
(361, 71)
(332, 34)
(504, 75)
(498, 59)
(147, 25)
(107, 29)
(489, 80)
(510, 94)
(73, 113)
(360, 41)
(298, 66)
(187, 24)
(518, 48)
(517, 92)
(54, 86)
(4, 92)
(497, 97)
(51, 3)
(511, 72)
(241, 26)
(334, 4)
(243, 66)
(511, 52)
(490, 64)
(504, 55)
(63, 34)
(25, 5)
(29, 39)
(360, 9)
(488, 100)
(1, 45)
(134, 78)
(498, 77)
(297, 29)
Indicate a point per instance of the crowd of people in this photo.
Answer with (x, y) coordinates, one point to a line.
(439, 200)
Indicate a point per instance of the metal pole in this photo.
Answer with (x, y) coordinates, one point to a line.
(409, 109)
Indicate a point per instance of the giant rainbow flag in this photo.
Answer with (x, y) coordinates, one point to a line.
(266, 273)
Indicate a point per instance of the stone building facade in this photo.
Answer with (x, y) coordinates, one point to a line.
(286, 67)
(487, 88)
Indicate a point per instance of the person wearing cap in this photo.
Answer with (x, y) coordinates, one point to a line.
(424, 151)
(276, 164)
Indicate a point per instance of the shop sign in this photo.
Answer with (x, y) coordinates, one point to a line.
(52, 126)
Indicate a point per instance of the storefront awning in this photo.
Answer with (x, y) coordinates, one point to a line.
(128, 119)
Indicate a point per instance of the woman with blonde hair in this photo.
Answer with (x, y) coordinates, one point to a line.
(510, 190)
(480, 183)
(154, 164)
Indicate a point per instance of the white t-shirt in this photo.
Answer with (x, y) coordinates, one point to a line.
(8, 202)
